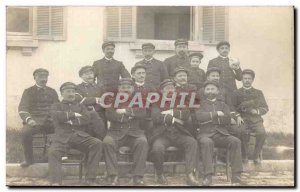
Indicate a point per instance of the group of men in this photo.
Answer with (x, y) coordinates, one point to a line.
(81, 120)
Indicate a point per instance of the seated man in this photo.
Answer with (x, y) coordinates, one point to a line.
(213, 117)
(70, 121)
(125, 130)
(34, 109)
(169, 130)
(251, 103)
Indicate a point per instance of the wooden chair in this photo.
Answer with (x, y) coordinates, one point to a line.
(74, 157)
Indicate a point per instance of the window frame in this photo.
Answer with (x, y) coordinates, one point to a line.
(31, 23)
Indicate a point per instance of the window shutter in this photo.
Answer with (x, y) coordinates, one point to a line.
(219, 24)
(208, 26)
(112, 23)
(43, 22)
(57, 23)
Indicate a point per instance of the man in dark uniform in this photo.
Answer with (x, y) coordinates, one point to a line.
(88, 93)
(108, 70)
(34, 110)
(169, 130)
(213, 117)
(196, 75)
(70, 121)
(155, 69)
(125, 130)
(251, 104)
(230, 68)
(180, 59)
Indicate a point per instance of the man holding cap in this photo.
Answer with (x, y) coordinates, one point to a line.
(34, 110)
(181, 58)
(214, 117)
(156, 72)
(230, 68)
(71, 121)
(108, 70)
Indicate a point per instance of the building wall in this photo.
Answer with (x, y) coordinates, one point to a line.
(260, 38)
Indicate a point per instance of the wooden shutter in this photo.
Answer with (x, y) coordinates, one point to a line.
(120, 23)
(219, 24)
(50, 23)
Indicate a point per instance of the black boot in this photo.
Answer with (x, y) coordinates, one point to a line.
(191, 180)
(237, 179)
(207, 181)
(161, 179)
(25, 164)
(138, 181)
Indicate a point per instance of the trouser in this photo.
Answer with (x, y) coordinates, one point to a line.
(26, 138)
(187, 143)
(139, 148)
(241, 133)
(259, 130)
(89, 145)
(97, 126)
(230, 142)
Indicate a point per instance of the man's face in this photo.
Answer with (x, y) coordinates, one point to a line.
(88, 77)
(247, 80)
(195, 62)
(224, 50)
(41, 79)
(109, 51)
(181, 78)
(211, 91)
(181, 50)
(68, 94)
(126, 88)
(213, 76)
(148, 52)
(168, 90)
(139, 75)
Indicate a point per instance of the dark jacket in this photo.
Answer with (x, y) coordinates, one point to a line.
(65, 122)
(208, 120)
(108, 73)
(175, 61)
(36, 104)
(227, 76)
(156, 72)
(196, 77)
(245, 100)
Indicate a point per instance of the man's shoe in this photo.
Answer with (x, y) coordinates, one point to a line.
(114, 180)
(161, 179)
(25, 164)
(191, 180)
(257, 161)
(245, 161)
(207, 181)
(138, 181)
(237, 180)
(91, 182)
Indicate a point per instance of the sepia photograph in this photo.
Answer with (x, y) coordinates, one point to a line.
(150, 96)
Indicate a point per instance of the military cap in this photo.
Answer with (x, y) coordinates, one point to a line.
(178, 69)
(40, 70)
(67, 85)
(249, 71)
(137, 66)
(126, 81)
(107, 43)
(213, 82)
(223, 43)
(166, 82)
(85, 69)
(196, 55)
(181, 41)
(212, 69)
(148, 45)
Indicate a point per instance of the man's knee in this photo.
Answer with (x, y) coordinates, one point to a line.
(234, 142)
(142, 141)
(108, 141)
(26, 131)
(260, 131)
(158, 148)
(206, 142)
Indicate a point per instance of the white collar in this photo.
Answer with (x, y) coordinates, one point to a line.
(140, 84)
(149, 59)
(39, 86)
(213, 100)
(223, 57)
(247, 88)
(108, 59)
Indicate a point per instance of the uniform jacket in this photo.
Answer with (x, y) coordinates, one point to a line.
(36, 104)
(108, 72)
(156, 72)
(245, 100)
(208, 120)
(175, 61)
(227, 76)
(196, 77)
(65, 122)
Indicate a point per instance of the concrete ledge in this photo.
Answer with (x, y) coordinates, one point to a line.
(40, 170)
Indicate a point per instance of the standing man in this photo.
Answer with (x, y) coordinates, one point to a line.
(214, 117)
(125, 130)
(70, 121)
(230, 68)
(155, 69)
(108, 70)
(181, 58)
(34, 110)
(251, 104)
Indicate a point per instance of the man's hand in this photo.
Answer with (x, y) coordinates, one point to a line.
(233, 122)
(121, 111)
(254, 112)
(239, 120)
(220, 113)
(178, 121)
(234, 63)
(169, 112)
(32, 123)
(78, 115)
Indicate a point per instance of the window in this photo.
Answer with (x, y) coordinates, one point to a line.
(19, 20)
(203, 24)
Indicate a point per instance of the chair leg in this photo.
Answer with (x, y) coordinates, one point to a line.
(227, 165)
(80, 171)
